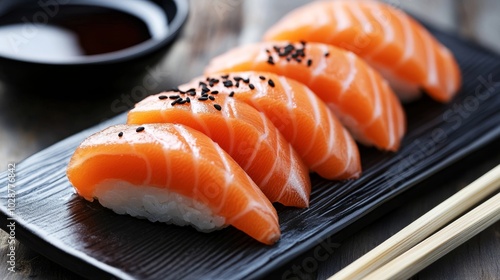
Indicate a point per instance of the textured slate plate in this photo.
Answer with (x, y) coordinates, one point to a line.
(95, 242)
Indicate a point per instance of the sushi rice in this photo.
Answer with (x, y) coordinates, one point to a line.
(157, 205)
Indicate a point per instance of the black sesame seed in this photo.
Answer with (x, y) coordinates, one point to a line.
(327, 54)
(174, 89)
(284, 53)
(192, 93)
(246, 81)
(188, 100)
(205, 89)
(202, 84)
(231, 94)
(178, 100)
(309, 62)
(270, 82)
(251, 86)
(203, 98)
(290, 52)
(237, 78)
(120, 134)
(268, 51)
(191, 89)
(215, 92)
(288, 48)
(211, 98)
(218, 107)
(212, 82)
(174, 97)
(224, 76)
(262, 78)
(228, 83)
(139, 129)
(161, 97)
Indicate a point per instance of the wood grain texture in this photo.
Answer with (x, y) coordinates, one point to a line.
(29, 124)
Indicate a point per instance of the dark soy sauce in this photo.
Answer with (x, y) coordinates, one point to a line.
(64, 32)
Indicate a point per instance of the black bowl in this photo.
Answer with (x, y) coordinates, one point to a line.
(91, 74)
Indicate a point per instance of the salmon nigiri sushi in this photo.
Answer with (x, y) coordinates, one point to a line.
(357, 94)
(244, 133)
(173, 174)
(304, 120)
(400, 48)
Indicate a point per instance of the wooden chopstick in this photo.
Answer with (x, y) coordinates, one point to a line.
(440, 243)
(427, 224)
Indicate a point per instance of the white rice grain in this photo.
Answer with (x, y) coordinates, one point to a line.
(157, 205)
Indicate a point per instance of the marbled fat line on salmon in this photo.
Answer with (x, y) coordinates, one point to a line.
(343, 22)
(351, 58)
(263, 137)
(361, 18)
(252, 205)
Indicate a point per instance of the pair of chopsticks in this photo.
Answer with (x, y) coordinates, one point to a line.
(413, 248)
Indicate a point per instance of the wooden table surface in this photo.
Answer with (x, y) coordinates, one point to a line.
(29, 124)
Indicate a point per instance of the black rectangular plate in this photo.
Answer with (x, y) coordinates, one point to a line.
(97, 243)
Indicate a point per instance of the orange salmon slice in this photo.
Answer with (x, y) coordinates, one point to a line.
(170, 158)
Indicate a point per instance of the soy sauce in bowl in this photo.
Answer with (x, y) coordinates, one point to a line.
(89, 38)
